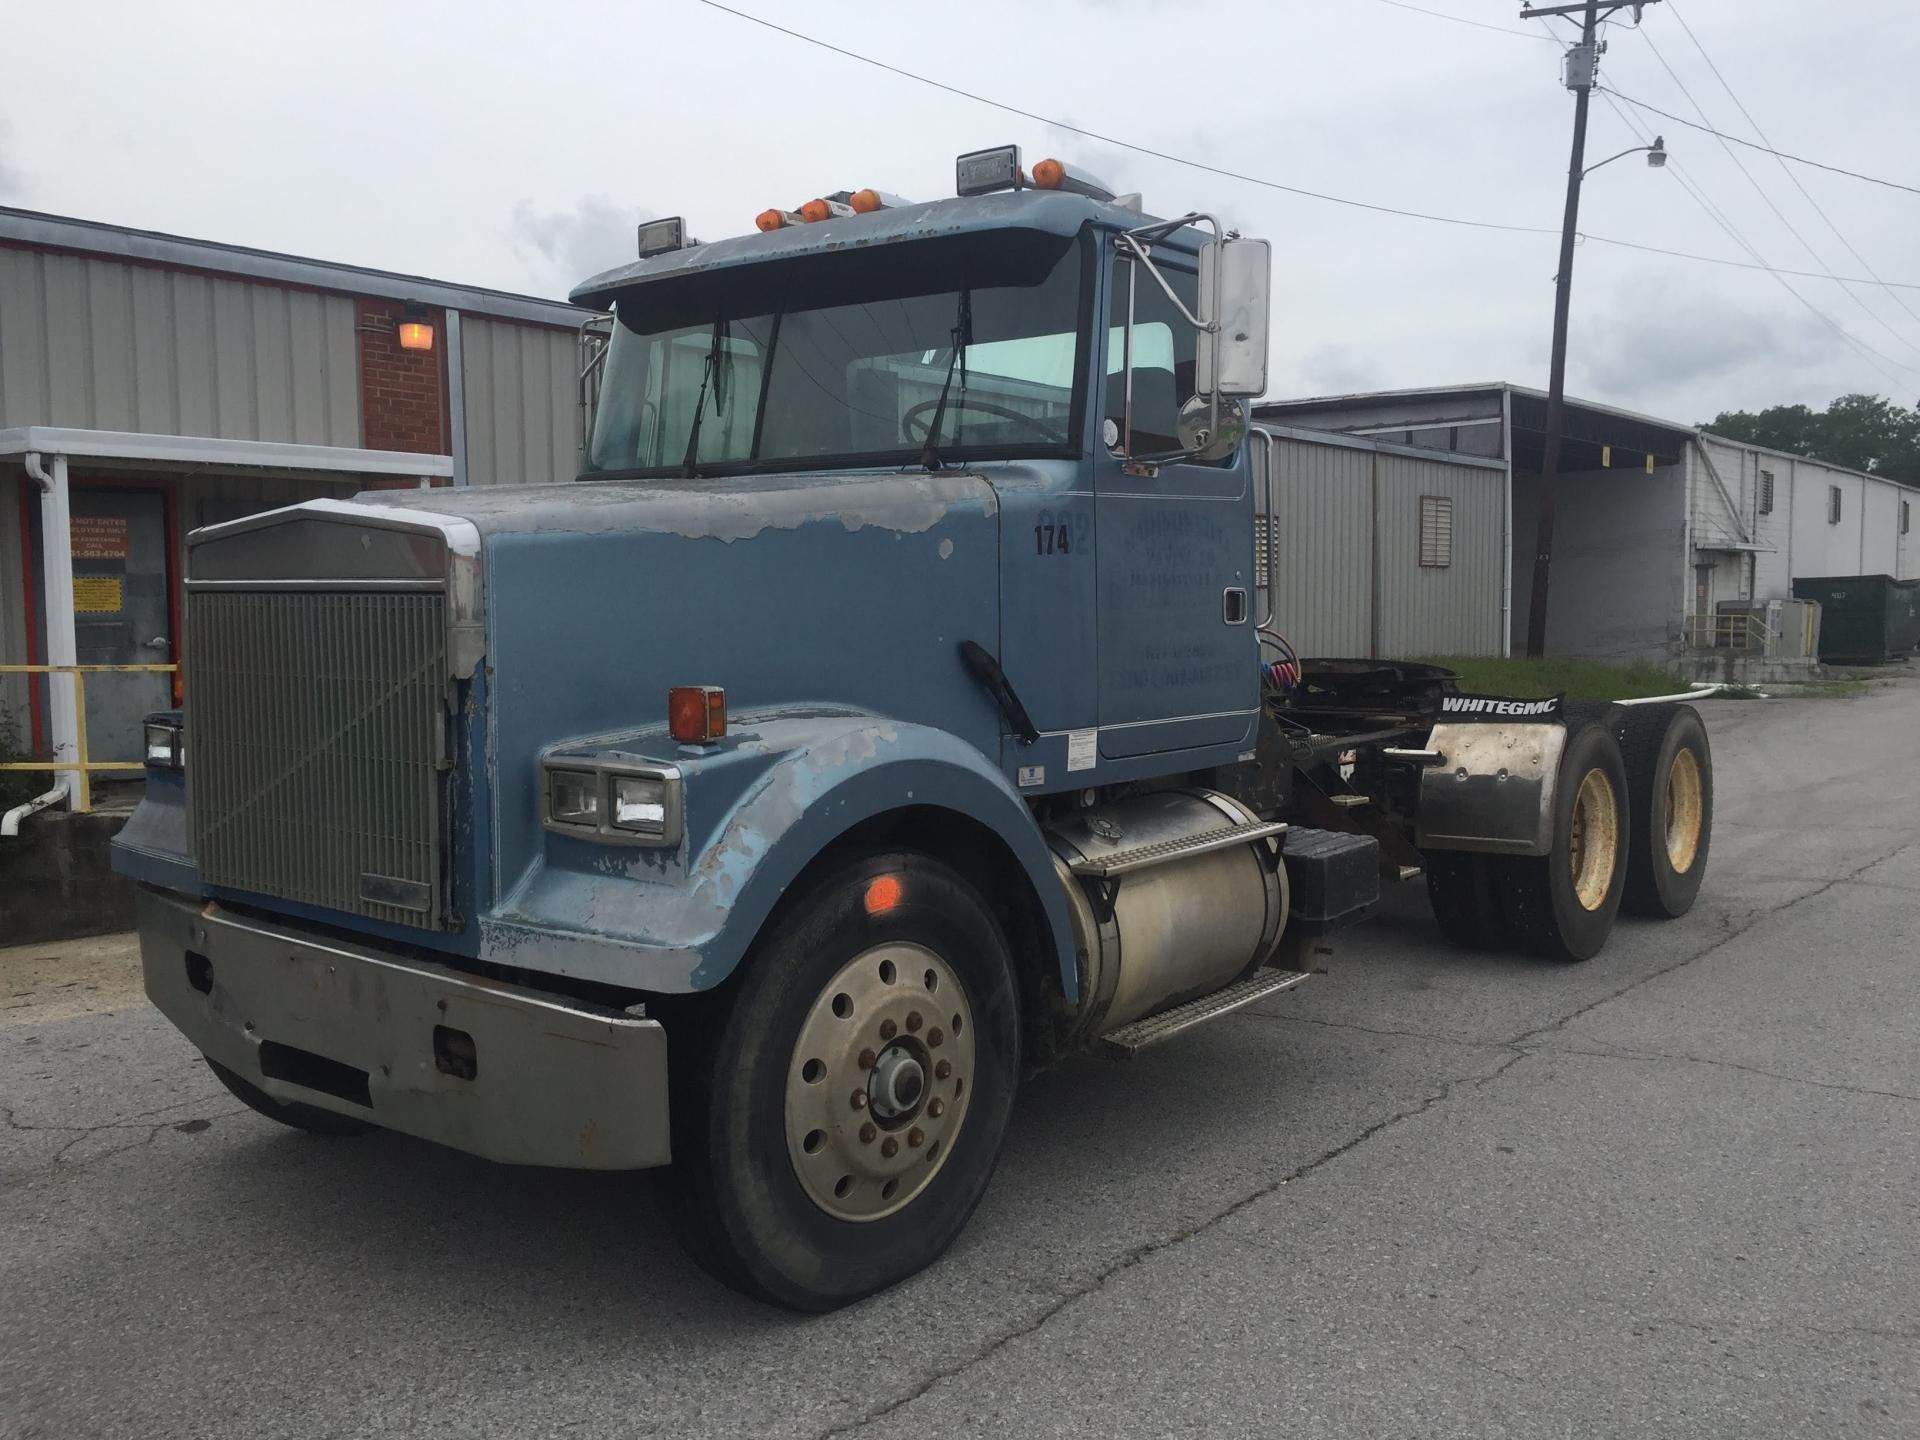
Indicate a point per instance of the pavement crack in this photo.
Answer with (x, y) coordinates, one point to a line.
(140, 1130)
(1139, 1254)
(1254, 1013)
(1625, 1053)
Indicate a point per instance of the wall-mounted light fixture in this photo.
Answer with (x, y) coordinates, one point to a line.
(415, 329)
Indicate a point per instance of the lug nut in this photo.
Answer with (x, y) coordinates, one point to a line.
(888, 1029)
(916, 1136)
(913, 1020)
(936, 1107)
(890, 1147)
(858, 1100)
(867, 1132)
(942, 1070)
(935, 1035)
(868, 1059)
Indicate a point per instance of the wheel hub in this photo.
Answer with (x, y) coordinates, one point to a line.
(879, 1081)
(1593, 839)
(1684, 811)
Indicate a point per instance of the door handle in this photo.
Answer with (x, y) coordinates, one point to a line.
(1233, 605)
(159, 642)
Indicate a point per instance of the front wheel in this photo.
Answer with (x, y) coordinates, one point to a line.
(840, 1116)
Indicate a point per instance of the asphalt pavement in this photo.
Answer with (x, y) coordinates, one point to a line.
(1674, 1191)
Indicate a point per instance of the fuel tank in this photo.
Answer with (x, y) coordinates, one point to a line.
(1193, 897)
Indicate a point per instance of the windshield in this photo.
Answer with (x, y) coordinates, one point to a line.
(842, 358)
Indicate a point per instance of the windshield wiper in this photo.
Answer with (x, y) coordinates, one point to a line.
(962, 338)
(710, 374)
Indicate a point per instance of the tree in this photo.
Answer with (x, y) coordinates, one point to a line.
(1861, 432)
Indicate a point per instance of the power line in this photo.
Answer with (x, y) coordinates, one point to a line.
(1819, 209)
(1462, 20)
(1699, 197)
(1190, 163)
(1778, 213)
(1754, 145)
(1732, 264)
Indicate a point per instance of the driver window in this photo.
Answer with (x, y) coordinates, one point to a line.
(1163, 357)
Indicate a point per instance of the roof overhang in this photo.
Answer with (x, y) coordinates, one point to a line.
(184, 453)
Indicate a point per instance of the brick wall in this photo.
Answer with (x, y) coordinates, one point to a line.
(402, 392)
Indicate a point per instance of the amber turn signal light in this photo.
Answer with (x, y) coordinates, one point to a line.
(814, 211)
(696, 713)
(771, 219)
(865, 202)
(1049, 174)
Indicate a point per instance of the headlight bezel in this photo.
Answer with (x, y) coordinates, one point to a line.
(604, 827)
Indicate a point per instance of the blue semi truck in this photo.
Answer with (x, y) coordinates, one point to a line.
(892, 705)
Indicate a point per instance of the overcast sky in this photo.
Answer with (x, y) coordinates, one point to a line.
(516, 145)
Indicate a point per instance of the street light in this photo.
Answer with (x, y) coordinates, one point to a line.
(1656, 156)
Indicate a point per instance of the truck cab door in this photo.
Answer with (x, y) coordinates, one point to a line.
(1178, 654)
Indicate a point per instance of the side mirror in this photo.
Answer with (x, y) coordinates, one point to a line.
(1236, 278)
(1207, 436)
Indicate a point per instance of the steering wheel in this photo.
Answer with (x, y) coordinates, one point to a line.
(922, 415)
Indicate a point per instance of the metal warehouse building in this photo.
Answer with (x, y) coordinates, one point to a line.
(151, 384)
(1656, 523)
(1382, 548)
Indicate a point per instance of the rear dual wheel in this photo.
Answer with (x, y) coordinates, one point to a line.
(838, 1115)
(1670, 780)
(1562, 904)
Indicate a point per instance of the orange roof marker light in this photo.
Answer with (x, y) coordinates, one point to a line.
(865, 202)
(776, 219)
(1057, 175)
(814, 211)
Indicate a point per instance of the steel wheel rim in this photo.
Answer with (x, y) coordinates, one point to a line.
(1593, 839)
(1685, 811)
(858, 1151)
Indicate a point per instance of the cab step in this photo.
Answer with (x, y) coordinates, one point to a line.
(1143, 857)
(1130, 1040)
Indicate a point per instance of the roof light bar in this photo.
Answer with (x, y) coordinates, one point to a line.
(777, 219)
(657, 237)
(865, 202)
(981, 172)
(814, 211)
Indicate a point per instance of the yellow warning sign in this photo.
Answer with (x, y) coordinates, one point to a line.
(96, 594)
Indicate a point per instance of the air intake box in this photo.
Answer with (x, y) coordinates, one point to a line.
(1333, 878)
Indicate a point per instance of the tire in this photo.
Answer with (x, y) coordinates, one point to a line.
(310, 1118)
(1463, 888)
(763, 1146)
(1562, 905)
(1670, 791)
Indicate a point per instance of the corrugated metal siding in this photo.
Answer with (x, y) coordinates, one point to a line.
(1323, 504)
(1324, 500)
(1440, 610)
(523, 406)
(105, 345)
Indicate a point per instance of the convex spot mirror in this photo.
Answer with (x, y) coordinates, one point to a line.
(1204, 438)
(1237, 363)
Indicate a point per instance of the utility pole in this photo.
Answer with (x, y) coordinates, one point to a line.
(1582, 66)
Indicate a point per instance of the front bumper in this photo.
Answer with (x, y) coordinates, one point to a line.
(496, 1070)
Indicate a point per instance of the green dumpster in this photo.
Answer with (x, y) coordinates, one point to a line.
(1864, 617)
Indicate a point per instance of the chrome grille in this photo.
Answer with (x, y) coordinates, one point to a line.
(315, 727)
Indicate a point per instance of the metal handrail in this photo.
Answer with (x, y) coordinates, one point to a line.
(1730, 630)
(82, 767)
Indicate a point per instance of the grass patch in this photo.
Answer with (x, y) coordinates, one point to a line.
(1578, 680)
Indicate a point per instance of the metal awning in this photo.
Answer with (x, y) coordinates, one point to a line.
(164, 453)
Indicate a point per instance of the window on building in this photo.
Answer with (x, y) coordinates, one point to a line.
(1906, 517)
(1436, 530)
(1766, 492)
(1833, 504)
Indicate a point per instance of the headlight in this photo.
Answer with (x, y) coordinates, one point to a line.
(640, 804)
(166, 747)
(573, 798)
(614, 800)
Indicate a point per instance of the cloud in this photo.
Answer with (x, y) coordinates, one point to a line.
(563, 247)
(13, 180)
(1339, 370)
(1658, 337)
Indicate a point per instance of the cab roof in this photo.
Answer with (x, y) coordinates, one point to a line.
(1051, 212)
